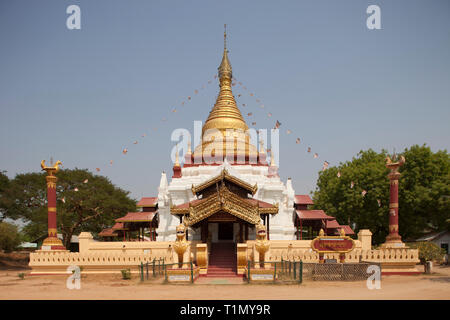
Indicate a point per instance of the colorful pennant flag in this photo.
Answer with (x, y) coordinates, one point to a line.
(277, 124)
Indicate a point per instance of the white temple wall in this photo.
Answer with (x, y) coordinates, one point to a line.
(270, 189)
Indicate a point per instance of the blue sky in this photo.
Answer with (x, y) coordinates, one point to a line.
(81, 96)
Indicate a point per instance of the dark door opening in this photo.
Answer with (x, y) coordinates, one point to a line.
(225, 231)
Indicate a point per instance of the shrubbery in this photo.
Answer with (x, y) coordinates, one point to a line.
(428, 251)
(9, 237)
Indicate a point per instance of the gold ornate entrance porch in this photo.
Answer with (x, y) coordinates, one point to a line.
(227, 201)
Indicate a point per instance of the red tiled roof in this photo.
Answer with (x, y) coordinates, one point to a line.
(337, 230)
(347, 229)
(147, 202)
(261, 204)
(313, 215)
(332, 224)
(137, 217)
(108, 232)
(119, 226)
(186, 204)
(303, 199)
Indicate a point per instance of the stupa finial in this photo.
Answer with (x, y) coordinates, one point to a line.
(225, 66)
(225, 37)
(177, 160)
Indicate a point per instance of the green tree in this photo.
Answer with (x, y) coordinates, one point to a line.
(4, 185)
(424, 190)
(85, 202)
(9, 237)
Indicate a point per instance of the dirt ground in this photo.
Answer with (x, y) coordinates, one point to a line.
(111, 287)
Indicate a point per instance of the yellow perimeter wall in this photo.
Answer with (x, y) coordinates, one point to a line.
(111, 257)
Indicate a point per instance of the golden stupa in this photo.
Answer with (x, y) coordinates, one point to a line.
(225, 130)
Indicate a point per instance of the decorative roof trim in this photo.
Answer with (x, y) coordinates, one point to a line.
(224, 175)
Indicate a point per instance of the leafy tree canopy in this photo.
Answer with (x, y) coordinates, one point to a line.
(424, 192)
(85, 202)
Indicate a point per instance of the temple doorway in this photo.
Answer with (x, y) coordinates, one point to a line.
(225, 231)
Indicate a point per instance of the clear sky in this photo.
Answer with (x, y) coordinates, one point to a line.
(81, 96)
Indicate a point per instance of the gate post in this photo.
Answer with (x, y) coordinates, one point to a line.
(154, 275)
(300, 272)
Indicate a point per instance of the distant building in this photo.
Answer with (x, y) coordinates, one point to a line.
(27, 246)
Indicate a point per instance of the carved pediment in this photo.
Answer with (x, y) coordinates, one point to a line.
(224, 176)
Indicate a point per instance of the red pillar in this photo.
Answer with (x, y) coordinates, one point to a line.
(52, 240)
(394, 239)
(301, 229)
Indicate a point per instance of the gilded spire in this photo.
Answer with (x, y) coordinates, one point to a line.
(225, 115)
(225, 66)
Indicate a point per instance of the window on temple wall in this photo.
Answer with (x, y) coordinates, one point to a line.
(445, 247)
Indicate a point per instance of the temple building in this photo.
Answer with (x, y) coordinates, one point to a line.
(225, 187)
(224, 208)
